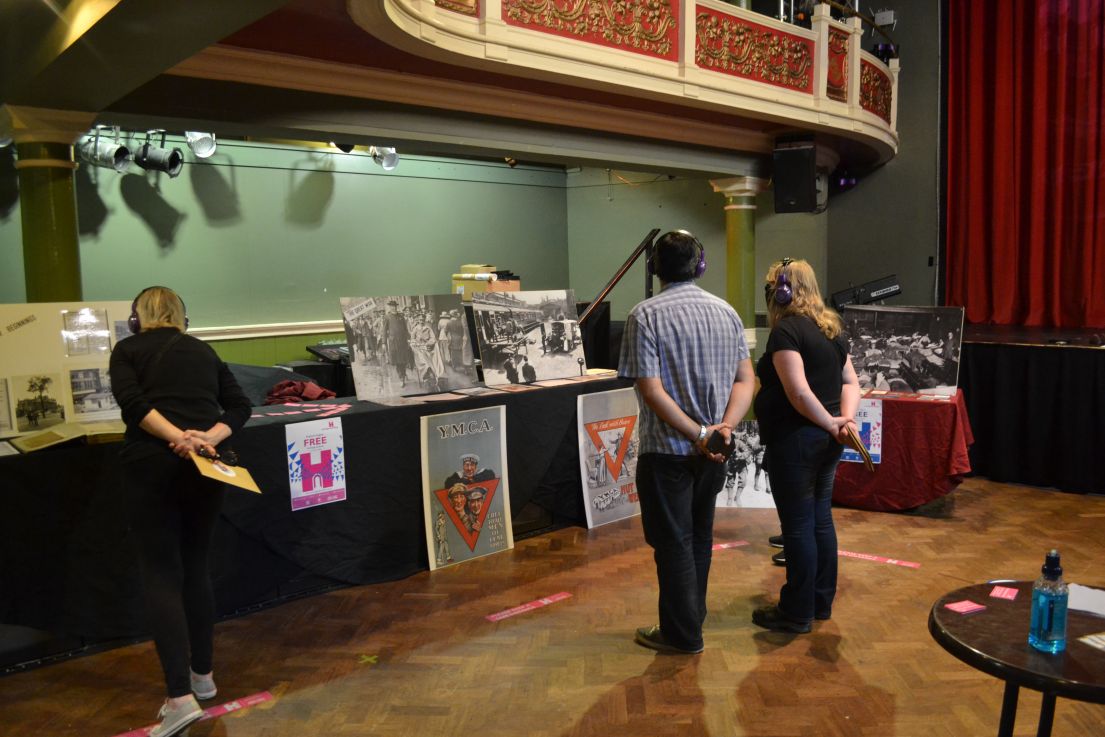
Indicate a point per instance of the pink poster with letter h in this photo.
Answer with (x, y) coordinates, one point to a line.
(316, 462)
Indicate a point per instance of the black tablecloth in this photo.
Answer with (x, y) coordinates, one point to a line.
(1038, 414)
(69, 562)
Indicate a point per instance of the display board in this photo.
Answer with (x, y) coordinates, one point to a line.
(525, 337)
(608, 449)
(466, 498)
(906, 349)
(746, 481)
(405, 345)
(54, 363)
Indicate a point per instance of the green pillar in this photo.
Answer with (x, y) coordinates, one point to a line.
(741, 279)
(47, 200)
(48, 206)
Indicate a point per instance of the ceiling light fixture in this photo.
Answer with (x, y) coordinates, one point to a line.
(202, 144)
(385, 156)
(109, 154)
(159, 158)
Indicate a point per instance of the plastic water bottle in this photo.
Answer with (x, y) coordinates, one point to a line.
(1048, 630)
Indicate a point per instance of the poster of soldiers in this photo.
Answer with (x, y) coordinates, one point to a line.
(746, 483)
(406, 345)
(526, 337)
(465, 496)
(608, 447)
(906, 349)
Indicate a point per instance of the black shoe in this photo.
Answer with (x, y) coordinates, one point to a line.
(822, 616)
(651, 637)
(776, 541)
(769, 617)
(780, 558)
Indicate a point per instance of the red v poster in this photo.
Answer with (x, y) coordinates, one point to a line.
(611, 439)
(467, 507)
(608, 449)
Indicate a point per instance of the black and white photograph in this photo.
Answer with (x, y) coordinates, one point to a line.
(746, 484)
(407, 345)
(93, 401)
(86, 332)
(905, 349)
(526, 337)
(35, 397)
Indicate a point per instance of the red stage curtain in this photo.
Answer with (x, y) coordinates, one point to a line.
(1026, 161)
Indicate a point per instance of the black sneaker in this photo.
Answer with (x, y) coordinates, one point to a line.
(776, 541)
(780, 558)
(769, 617)
(652, 638)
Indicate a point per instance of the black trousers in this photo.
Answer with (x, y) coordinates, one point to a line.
(173, 514)
(678, 495)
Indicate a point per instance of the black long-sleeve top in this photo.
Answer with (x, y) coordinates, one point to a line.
(190, 385)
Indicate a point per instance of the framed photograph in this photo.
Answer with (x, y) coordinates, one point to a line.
(37, 401)
(906, 349)
(407, 345)
(90, 389)
(525, 337)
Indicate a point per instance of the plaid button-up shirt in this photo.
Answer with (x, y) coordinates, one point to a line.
(693, 341)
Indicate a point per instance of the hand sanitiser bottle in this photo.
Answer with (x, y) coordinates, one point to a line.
(1048, 631)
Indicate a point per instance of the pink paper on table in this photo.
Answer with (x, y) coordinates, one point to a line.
(1004, 592)
(965, 607)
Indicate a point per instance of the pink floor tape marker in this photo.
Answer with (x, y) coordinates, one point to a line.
(1004, 592)
(878, 559)
(212, 711)
(734, 544)
(528, 607)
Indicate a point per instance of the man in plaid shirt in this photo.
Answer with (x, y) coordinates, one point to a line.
(686, 351)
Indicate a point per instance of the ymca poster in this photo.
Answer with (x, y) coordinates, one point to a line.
(608, 446)
(869, 421)
(465, 497)
(316, 462)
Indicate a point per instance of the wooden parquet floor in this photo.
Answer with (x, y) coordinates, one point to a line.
(418, 657)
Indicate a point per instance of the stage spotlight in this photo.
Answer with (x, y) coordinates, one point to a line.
(345, 148)
(202, 144)
(159, 158)
(109, 154)
(385, 156)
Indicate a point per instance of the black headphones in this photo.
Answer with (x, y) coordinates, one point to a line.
(700, 265)
(135, 325)
(781, 290)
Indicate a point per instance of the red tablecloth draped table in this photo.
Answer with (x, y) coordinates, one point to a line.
(924, 456)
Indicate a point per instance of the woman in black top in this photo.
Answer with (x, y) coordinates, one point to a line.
(807, 402)
(176, 397)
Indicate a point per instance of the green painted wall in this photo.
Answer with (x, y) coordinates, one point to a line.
(610, 212)
(265, 233)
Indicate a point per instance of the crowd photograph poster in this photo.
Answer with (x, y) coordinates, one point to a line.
(407, 345)
(465, 496)
(746, 484)
(608, 449)
(525, 337)
(912, 350)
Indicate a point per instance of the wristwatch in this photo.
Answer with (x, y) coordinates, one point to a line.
(701, 434)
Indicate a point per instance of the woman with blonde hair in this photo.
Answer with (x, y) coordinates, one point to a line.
(176, 397)
(807, 403)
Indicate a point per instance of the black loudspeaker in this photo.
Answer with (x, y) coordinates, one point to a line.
(795, 178)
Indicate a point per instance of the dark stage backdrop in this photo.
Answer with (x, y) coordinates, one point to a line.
(1026, 162)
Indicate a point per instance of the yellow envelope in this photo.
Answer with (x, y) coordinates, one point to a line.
(233, 475)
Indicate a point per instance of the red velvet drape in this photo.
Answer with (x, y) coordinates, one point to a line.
(1026, 161)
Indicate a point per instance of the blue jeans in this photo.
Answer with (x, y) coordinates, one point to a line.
(678, 495)
(802, 466)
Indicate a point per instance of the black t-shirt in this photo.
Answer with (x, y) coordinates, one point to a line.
(823, 360)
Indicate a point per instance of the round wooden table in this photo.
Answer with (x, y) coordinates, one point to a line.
(995, 641)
